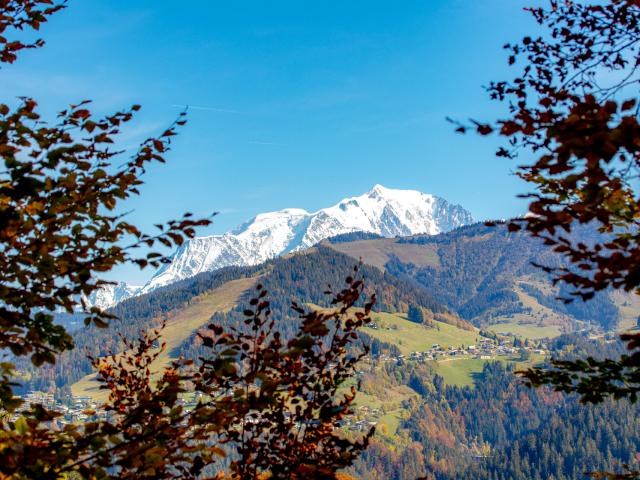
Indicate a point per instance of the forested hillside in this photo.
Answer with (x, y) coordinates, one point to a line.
(301, 277)
(483, 274)
(305, 278)
(499, 429)
(486, 275)
(135, 315)
(450, 418)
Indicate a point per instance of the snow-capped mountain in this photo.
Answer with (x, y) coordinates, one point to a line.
(383, 211)
(110, 295)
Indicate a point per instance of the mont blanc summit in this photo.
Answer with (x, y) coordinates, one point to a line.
(383, 211)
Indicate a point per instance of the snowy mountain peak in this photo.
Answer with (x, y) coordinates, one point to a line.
(382, 191)
(266, 221)
(110, 295)
(385, 211)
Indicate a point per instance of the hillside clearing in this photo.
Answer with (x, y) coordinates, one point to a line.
(179, 327)
(525, 330)
(413, 337)
(409, 337)
(378, 252)
(629, 307)
(460, 371)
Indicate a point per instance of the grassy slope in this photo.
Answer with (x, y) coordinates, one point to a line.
(540, 322)
(629, 307)
(378, 252)
(412, 337)
(460, 371)
(179, 327)
(527, 330)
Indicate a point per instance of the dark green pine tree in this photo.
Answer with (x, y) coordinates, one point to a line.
(415, 314)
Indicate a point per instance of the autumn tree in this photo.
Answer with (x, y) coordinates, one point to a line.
(270, 402)
(60, 191)
(573, 124)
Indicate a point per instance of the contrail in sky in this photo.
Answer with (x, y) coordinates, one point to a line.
(208, 109)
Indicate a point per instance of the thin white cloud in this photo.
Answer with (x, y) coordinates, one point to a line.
(207, 109)
(223, 211)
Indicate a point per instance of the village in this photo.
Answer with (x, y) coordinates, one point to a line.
(486, 349)
(80, 409)
(71, 409)
(75, 409)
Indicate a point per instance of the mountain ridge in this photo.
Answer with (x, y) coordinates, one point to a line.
(382, 211)
(487, 275)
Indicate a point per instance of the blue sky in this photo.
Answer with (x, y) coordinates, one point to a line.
(294, 104)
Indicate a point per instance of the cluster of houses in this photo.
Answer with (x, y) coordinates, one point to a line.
(363, 420)
(72, 410)
(76, 409)
(79, 409)
(486, 349)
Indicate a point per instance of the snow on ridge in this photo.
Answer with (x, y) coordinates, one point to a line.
(110, 295)
(384, 211)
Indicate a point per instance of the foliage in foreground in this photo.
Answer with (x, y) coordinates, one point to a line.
(60, 190)
(575, 106)
(269, 403)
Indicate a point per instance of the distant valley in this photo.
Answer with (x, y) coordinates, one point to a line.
(440, 390)
(474, 277)
(439, 387)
